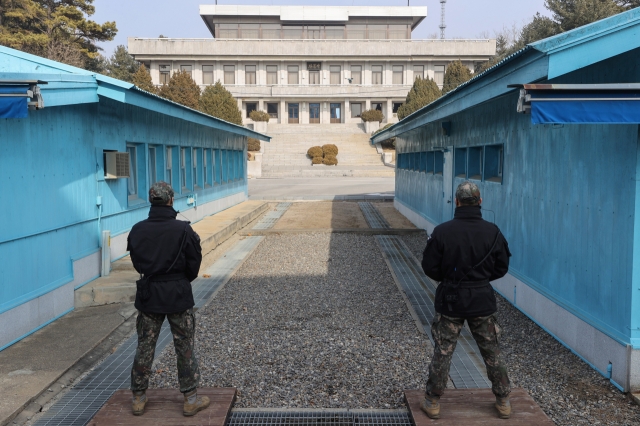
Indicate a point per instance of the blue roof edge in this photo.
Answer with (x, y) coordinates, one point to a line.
(545, 46)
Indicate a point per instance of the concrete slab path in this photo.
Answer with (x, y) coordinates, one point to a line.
(334, 188)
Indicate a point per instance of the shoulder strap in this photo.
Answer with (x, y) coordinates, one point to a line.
(495, 241)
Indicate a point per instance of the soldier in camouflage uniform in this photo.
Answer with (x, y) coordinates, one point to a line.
(464, 255)
(167, 251)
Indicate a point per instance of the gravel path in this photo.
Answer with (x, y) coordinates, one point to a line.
(566, 388)
(313, 321)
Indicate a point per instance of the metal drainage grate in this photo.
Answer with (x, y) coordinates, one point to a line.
(81, 403)
(320, 418)
(467, 366)
(373, 216)
(272, 217)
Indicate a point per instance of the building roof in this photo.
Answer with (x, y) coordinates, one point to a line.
(317, 14)
(539, 61)
(69, 85)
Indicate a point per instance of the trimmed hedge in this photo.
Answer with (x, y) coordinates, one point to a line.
(330, 160)
(253, 144)
(257, 115)
(315, 151)
(329, 149)
(372, 115)
(316, 160)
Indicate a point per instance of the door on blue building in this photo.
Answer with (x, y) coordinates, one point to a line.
(314, 113)
(447, 184)
(294, 110)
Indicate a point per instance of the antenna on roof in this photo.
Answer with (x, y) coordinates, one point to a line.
(442, 24)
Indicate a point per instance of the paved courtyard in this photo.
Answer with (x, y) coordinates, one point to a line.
(320, 188)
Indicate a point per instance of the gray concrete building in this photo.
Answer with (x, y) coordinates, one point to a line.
(310, 64)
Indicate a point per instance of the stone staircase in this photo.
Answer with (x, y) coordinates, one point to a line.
(286, 154)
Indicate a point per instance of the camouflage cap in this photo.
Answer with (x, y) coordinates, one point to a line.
(468, 193)
(160, 193)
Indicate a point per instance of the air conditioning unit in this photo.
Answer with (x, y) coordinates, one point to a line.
(116, 165)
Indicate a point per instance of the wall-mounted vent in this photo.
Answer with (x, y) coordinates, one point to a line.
(116, 165)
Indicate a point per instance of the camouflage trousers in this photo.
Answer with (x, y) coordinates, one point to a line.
(486, 332)
(183, 326)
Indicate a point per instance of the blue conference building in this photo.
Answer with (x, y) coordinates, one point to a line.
(78, 152)
(551, 137)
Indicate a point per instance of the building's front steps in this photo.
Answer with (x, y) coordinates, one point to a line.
(286, 154)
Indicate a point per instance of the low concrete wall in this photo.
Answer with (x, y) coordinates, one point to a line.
(254, 168)
(371, 126)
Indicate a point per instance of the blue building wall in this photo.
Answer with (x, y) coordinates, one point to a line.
(53, 191)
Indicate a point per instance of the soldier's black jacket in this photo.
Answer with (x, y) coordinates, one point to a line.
(153, 244)
(451, 252)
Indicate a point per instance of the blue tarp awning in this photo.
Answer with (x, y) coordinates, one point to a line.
(16, 106)
(581, 104)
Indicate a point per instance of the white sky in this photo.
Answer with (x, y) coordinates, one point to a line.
(180, 18)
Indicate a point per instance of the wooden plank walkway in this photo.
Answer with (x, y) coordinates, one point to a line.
(165, 408)
(474, 407)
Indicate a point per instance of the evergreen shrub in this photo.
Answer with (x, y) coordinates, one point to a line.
(372, 115)
(316, 160)
(257, 115)
(329, 149)
(315, 151)
(253, 145)
(330, 160)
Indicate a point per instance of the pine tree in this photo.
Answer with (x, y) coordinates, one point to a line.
(423, 92)
(570, 14)
(142, 79)
(56, 29)
(218, 102)
(181, 89)
(121, 65)
(455, 75)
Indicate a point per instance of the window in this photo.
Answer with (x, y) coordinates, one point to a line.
(398, 32)
(272, 110)
(314, 77)
(195, 158)
(228, 31)
(397, 74)
(418, 71)
(474, 164)
(271, 31)
(396, 107)
(169, 166)
(207, 74)
(217, 156)
(165, 74)
(153, 175)
(334, 32)
(132, 180)
(250, 30)
(356, 74)
(291, 32)
(377, 32)
(438, 75)
(356, 110)
(357, 32)
(187, 68)
(439, 162)
(251, 106)
(335, 74)
(183, 168)
(430, 161)
(314, 32)
(460, 162)
(422, 166)
(272, 74)
(206, 170)
(376, 74)
(250, 74)
(493, 163)
(376, 105)
(229, 74)
(292, 74)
